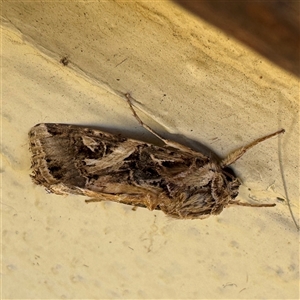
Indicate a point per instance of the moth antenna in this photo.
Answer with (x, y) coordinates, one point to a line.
(167, 142)
(234, 156)
(252, 205)
(128, 98)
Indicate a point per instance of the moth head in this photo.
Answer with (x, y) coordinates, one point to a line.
(233, 182)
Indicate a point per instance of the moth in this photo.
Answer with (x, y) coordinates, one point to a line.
(183, 183)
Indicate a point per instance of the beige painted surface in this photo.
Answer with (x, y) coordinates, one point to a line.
(194, 81)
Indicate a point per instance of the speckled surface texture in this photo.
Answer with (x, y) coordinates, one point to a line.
(192, 82)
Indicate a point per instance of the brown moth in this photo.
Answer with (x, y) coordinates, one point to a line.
(183, 183)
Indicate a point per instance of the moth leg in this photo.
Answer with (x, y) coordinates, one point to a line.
(94, 200)
(252, 205)
(148, 200)
(234, 156)
(167, 142)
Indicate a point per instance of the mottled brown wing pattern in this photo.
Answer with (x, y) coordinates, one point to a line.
(79, 160)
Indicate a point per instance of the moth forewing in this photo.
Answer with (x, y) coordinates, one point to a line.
(183, 183)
